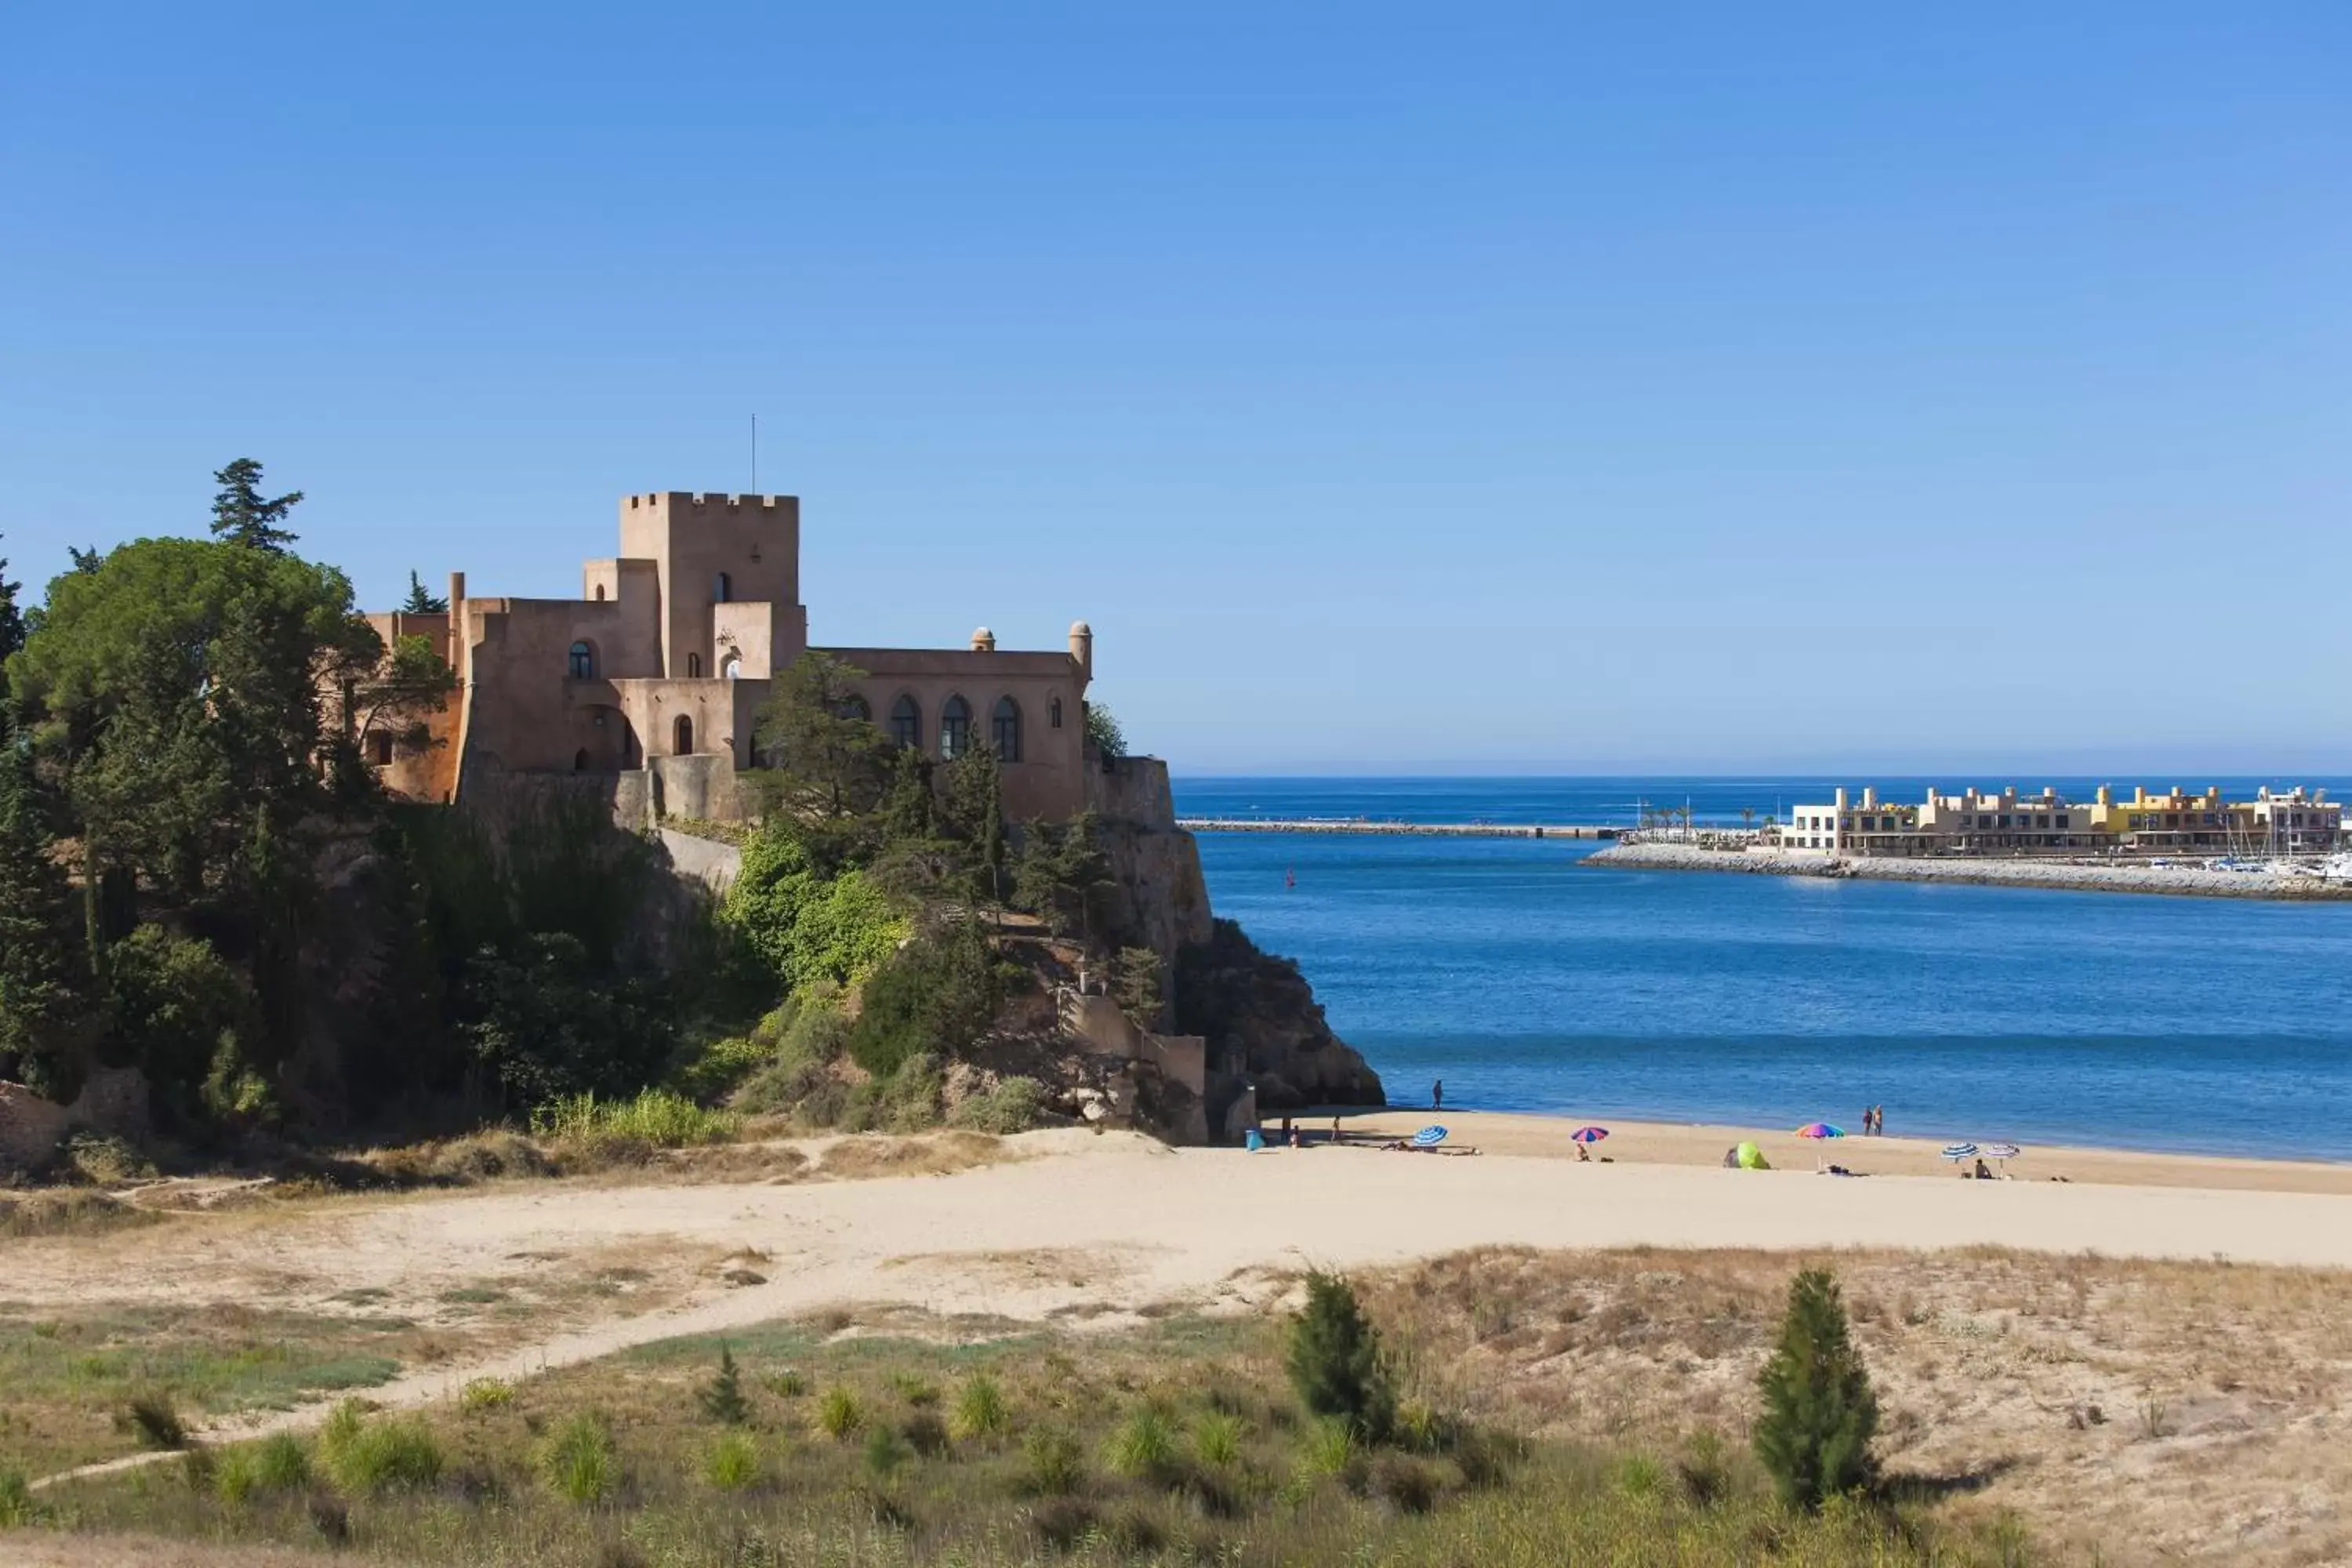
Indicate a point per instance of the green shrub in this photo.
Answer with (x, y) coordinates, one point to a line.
(979, 1409)
(17, 1509)
(1144, 1445)
(363, 1455)
(722, 1397)
(1640, 1476)
(654, 1118)
(280, 1462)
(785, 1383)
(886, 1453)
(233, 1477)
(915, 1389)
(1056, 1465)
(1329, 1447)
(102, 1160)
(1405, 1484)
(1335, 1362)
(925, 1432)
(806, 927)
(149, 1418)
(837, 1414)
(716, 1067)
(1217, 1439)
(1014, 1105)
(579, 1461)
(483, 1395)
(733, 1462)
(811, 1037)
(931, 997)
(1814, 1434)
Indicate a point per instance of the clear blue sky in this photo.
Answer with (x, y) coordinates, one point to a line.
(1685, 387)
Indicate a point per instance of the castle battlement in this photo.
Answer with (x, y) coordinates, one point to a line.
(704, 500)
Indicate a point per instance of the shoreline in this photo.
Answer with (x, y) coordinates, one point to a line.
(2178, 881)
(1641, 1143)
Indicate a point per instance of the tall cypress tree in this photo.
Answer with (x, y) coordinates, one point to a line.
(243, 515)
(1819, 1410)
(37, 1006)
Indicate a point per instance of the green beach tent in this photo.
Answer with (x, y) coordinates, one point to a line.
(1752, 1158)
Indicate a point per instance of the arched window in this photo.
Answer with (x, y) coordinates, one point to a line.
(731, 667)
(1054, 713)
(584, 662)
(1005, 729)
(382, 742)
(682, 733)
(906, 722)
(955, 729)
(722, 589)
(600, 591)
(694, 667)
(580, 761)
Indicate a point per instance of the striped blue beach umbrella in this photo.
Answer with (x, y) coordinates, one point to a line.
(1959, 1150)
(1429, 1137)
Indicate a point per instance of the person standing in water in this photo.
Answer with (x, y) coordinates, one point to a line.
(1437, 1095)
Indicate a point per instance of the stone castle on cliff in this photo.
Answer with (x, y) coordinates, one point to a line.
(654, 675)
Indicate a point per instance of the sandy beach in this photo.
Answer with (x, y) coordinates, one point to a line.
(1105, 1226)
(1679, 1143)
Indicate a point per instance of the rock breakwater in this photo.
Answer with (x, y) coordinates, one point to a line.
(2191, 881)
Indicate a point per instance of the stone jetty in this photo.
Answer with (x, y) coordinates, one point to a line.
(1399, 829)
(2194, 881)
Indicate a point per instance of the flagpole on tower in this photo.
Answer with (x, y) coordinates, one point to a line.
(755, 454)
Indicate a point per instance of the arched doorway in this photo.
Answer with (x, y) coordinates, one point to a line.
(682, 733)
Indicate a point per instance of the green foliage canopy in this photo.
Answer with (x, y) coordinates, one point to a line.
(807, 927)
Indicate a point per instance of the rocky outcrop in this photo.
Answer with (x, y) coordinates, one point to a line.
(1265, 1027)
(1264, 1031)
(111, 1101)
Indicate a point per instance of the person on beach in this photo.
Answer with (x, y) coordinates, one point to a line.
(1437, 1095)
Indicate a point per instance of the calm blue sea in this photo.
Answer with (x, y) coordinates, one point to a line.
(1530, 983)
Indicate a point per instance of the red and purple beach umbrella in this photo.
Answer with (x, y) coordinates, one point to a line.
(1588, 1135)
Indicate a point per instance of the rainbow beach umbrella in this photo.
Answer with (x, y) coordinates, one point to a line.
(1820, 1129)
(1588, 1135)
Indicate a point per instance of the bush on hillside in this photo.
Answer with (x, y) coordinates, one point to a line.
(654, 1119)
(1335, 1360)
(1819, 1410)
(809, 928)
(1014, 1105)
(934, 997)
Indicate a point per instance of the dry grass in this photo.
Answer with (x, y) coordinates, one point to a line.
(2161, 1410)
(67, 1211)
(1060, 1471)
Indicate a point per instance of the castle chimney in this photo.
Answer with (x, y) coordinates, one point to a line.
(1082, 647)
(983, 641)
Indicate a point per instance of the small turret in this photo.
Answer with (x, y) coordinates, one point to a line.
(1082, 647)
(983, 641)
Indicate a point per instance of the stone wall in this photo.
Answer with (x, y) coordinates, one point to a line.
(111, 1101)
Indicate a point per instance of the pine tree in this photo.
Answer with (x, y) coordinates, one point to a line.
(419, 602)
(1819, 1411)
(722, 1397)
(12, 621)
(37, 1006)
(242, 515)
(1335, 1360)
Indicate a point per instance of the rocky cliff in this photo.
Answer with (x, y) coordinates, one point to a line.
(1265, 1030)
